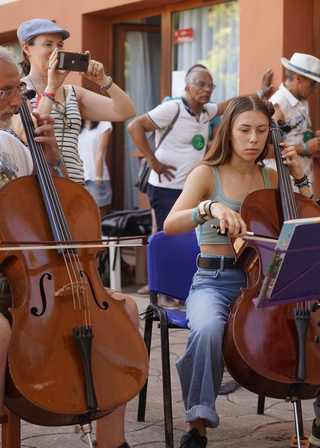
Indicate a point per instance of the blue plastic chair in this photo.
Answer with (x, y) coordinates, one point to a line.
(171, 265)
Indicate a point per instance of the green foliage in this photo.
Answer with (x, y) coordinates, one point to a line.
(223, 58)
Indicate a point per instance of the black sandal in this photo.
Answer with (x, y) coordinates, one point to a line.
(193, 439)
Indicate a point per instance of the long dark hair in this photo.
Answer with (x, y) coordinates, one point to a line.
(220, 150)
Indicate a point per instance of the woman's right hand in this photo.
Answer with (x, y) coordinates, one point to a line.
(55, 77)
(228, 220)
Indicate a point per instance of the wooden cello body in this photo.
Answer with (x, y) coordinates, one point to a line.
(74, 355)
(273, 351)
(261, 344)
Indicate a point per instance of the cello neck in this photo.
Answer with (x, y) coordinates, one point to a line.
(287, 197)
(56, 216)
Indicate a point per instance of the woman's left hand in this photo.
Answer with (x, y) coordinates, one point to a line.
(291, 159)
(95, 72)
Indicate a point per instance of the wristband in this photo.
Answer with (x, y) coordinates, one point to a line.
(49, 95)
(306, 152)
(303, 182)
(57, 167)
(196, 218)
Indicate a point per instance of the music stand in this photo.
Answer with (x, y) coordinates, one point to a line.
(294, 271)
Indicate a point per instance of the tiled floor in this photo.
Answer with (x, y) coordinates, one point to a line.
(240, 426)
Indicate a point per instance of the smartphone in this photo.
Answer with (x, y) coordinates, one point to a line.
(75, 62)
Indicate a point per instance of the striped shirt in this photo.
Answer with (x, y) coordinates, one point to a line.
(67, 124)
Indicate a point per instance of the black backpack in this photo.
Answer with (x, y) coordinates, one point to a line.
(136, 222)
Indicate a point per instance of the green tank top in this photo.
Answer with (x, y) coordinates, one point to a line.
(206, 234)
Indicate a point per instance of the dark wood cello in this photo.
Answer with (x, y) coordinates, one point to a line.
(75, 355)
(273, 351)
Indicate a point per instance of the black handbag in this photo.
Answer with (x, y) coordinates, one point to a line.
(136, 222)
(143, 176)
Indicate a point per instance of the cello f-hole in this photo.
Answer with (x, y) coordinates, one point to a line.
(34, 310)
(103, 305)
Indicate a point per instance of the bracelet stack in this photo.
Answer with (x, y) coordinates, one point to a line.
(303, 182)
(202, 213)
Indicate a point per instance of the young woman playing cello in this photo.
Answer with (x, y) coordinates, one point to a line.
(211, 198)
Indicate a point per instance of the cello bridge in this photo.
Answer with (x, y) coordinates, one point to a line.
(71, 288)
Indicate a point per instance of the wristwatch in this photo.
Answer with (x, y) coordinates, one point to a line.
(104, 89)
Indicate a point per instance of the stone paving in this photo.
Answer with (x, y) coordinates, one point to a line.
(240, 426)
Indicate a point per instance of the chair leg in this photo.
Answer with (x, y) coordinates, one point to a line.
(11, 431)
(166, 380)
(261, 403)
(147, 339)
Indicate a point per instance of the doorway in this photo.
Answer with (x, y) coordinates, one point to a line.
(137, 71)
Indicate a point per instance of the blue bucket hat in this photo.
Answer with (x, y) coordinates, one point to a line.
(34, 27)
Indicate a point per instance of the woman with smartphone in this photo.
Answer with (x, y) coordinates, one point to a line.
(41, 41)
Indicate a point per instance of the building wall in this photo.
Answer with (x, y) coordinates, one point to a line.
(268, 30)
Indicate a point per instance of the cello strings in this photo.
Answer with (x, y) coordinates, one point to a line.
(52, 202)
(289, 202)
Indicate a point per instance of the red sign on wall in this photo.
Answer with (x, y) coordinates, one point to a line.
(183, 35)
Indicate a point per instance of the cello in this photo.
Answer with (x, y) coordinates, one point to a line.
(273, 351)
(74, 355)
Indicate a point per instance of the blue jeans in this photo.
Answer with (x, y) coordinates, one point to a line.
(201, 367)
(162, 201)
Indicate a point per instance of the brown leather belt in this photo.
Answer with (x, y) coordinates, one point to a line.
(216, 263)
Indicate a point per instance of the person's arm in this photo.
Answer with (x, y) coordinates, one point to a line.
(264, 92)
(56, 79)
(291, 159)
(311, 148)
(102, 153)
(185, 214)
(44, 134)
(137, 129)
(95, 107)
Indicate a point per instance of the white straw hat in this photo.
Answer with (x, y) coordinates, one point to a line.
(303, 64)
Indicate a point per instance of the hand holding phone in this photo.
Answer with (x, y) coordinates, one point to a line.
(95, 72)
(76, 62)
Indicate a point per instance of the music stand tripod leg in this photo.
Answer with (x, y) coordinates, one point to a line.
(11, 431)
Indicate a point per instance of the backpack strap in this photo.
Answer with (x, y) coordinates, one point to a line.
(169, 128)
